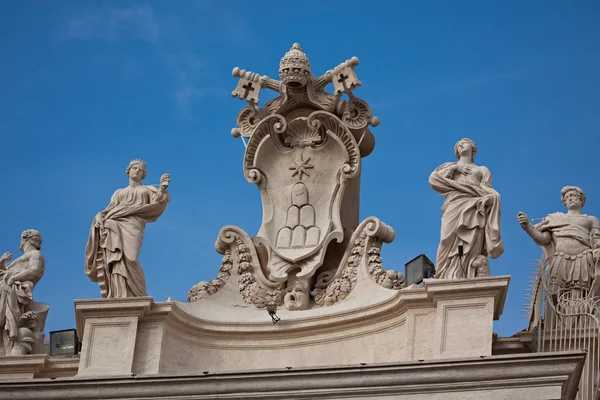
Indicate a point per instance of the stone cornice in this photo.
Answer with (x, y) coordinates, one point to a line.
(37, 365)
(130, 306)
(535, 371)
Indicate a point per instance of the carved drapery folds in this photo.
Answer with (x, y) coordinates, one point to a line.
(303, 150)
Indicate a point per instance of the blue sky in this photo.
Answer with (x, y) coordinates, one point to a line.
(86, 86)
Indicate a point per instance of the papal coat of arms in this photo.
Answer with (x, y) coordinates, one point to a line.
(303, 151)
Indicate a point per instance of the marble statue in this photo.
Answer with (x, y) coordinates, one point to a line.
(18, 317)
(471, 216)
(570, 244)
(116, 234)
(303, 152)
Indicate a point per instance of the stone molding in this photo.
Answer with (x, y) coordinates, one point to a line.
(37, 366)
(518, 377)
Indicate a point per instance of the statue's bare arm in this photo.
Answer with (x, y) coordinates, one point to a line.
(541, 238)
(3, 259)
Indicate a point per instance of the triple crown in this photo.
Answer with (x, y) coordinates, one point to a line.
(294, 68)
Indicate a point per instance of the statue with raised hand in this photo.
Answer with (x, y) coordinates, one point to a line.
(570, 242)
(117, 232)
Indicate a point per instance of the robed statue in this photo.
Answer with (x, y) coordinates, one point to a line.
(471, 216)
(113, 247)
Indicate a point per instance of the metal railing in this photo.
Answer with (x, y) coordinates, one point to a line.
(567, 319)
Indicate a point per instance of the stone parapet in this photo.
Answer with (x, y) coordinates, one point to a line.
(442, 319)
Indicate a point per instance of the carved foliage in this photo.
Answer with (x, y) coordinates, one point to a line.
(335, 127)
(389, 279)
(204, 288)
(238, 258)
(341, 287)
(251, 291)
(24, 341)
(333, 287)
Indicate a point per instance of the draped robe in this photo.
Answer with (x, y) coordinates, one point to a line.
(15, 300)
(113, 247)
(466, 221)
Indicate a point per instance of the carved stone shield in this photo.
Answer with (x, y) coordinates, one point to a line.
(301, 169)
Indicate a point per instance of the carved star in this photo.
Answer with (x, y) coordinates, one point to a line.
(300, 167)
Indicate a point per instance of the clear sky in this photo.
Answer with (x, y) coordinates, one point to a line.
(86, 86)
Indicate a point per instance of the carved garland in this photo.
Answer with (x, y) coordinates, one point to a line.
(230, 242)
(341, 287)
(389, 279)
(251, 291)
(203, 289)
(333, 287)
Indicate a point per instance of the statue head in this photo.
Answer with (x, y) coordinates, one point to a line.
(297, 296)
(139, 170)
(32, 237)
(294, 68)
(573, 197)
(465, 145)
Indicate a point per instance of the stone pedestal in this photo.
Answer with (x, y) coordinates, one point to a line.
(442, 319)
(109, 331)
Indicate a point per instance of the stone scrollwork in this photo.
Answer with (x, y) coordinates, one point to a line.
(240, 259)
(248, 120)
(331, 288)
(357, 114)
(336, 128)
(270, 126)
